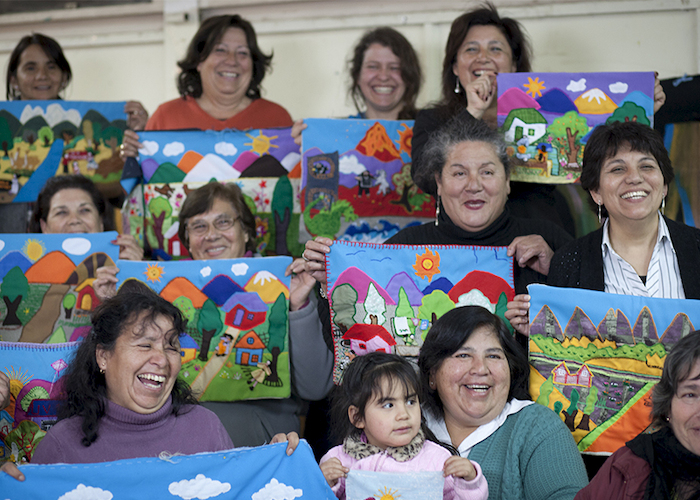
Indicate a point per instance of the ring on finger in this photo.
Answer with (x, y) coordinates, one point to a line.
(304, 257)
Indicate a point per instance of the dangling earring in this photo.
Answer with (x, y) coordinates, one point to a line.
(437, 210)
(663, 206)
(600, 218)
(457, 90)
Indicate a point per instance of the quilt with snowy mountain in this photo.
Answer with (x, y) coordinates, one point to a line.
(262, 473)
(386, 297)
(174, 163)
(237, 341)
(41, 139)
(595, 357)
(546, 118)
(356, 179)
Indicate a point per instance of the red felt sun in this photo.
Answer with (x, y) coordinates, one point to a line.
(427, 265)
(406, 139)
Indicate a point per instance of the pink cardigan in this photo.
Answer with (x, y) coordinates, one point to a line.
(431, 458)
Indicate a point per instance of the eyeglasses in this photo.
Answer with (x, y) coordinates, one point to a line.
(200, 227)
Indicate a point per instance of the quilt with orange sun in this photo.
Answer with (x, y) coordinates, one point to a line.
(237, 341)
(46, 290)
(595, 358)
(546, 118)
(386, 297)
(356, 180)
(174, 163)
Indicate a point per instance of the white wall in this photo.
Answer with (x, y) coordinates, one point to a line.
(130, 52)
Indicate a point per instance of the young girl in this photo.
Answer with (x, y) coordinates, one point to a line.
(376, 410)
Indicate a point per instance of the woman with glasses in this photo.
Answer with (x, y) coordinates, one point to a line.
(215, 223)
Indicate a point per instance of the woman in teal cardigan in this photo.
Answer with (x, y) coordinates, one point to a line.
(474, 381)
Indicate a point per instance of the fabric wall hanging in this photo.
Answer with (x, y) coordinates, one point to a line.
(546, 118)
(356, 179)
(262, 473)
(152, 210)
(35, 372)
(237, 342)
(262, 162)
(386, 297)
(595, 357)
(40, 139)
(363, 485)
(46, 288)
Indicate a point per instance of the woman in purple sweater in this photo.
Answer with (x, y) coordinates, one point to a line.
(123, 395)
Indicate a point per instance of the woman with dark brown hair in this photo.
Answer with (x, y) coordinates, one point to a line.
(482, 44)
(219, 84)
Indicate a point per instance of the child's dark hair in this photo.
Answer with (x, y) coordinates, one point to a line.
(362, 381)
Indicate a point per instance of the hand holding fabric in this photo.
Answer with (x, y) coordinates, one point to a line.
(531, 251)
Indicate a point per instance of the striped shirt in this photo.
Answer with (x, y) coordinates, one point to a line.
(663, 275)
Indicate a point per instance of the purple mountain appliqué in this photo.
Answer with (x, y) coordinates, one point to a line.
(360, 282)
(679, 328)
(580, 325)
(644, 327)
(403, 280)
(546, 323)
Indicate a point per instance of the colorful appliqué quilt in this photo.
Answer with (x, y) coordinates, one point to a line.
(237, 340)
(595, 356)
(359, 168)
(46, 288)
(365, 485)
(40, 139)
(35, 372)
(261, 162)
(547, 117)
(262, 473)
(386, 297)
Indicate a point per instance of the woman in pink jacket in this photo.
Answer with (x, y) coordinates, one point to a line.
(376, 409)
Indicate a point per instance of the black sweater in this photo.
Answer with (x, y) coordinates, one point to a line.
(501, 233)
(580, 263)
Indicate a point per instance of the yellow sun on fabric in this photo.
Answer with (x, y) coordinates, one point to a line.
(154, 272)
(262, 143)
(34, 249)
(427, 265)
(534, 87)
(17, 381)
(387, 494)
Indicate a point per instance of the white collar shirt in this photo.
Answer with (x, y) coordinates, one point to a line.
(663, 275)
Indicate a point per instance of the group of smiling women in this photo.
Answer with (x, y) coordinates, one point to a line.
(473, 402)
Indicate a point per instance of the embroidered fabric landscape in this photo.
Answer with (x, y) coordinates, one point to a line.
(356, 180)
(172, 164)
(40, 139)
(47, 279)
(35, 372)
(262, 473)
(595, 363)
(237, 341)
(364, 485)
(546, 118)
(386, 297)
